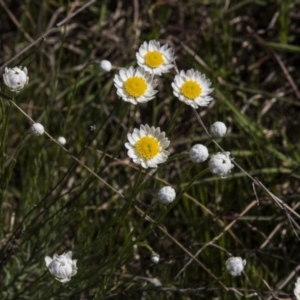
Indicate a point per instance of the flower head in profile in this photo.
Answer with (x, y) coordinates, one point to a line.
(297, 289)
(15, 78)
(147, 146)
(166, 195)
(135, 85)
(235, 265)
(192, 88)
(154, 58)
(62, 267)
(220, 164)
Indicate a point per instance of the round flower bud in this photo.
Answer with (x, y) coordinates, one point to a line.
(166, 195)
(220, 164)
(155, 258)
(218, 129)
(15, 78)
(105, 65)
(235, 265)
(62, 267)
(198, 153)
(37, 129)
(62, 140)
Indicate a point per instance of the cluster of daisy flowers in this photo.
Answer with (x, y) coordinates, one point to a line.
(138, 85)
(147, 145)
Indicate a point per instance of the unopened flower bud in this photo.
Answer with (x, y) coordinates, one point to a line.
(166, 195)
(62, 267)
(198, 153)
(235, 265)
(220, 164)
(218, 129)
(155, 258)
(62, 140)
(105, 65)
(37, 129)
(15, 78)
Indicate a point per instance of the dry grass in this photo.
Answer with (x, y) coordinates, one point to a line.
(90, 198)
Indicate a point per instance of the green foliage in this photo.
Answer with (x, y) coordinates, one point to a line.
(91, 199)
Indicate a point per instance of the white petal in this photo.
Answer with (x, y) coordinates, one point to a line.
(48, 260)
(69, 254)
(64, 280)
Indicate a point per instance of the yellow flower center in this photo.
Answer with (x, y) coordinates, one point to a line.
(154, 59)
(191, 89)
(135, 86)
(147, 147)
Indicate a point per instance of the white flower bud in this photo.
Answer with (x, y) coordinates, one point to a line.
(62, 140)
(105, 65)
(155, 258)
(198, 153)
(62, 267)
(15, 78)
(218, 129)
(166, 195)
(297, 289)
(235, 265)
(220, 164)
(37, 129)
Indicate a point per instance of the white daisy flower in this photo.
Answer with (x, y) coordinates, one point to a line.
(235, 265)
(62, 267)
(297, 289)
(147, 146)
(220, 164)
(135, 85)
(218, 129)
(192, 88)
(154, 58)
